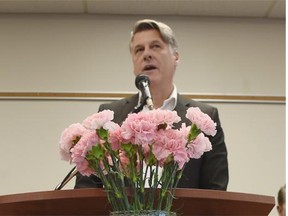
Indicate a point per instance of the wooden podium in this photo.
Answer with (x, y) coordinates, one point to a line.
(94, 202)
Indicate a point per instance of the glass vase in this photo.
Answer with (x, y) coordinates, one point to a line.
(143, 213)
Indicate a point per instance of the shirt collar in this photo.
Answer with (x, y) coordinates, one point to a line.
(170, 103)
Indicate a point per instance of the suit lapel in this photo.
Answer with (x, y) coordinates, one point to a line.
(129, 104)
(181, 107)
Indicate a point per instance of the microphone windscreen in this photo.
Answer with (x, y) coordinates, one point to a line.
(141, 78)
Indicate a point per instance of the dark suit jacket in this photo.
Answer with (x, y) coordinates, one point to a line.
(208, 172)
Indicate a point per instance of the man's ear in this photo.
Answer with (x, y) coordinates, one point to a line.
(279, 209)
(176, 55)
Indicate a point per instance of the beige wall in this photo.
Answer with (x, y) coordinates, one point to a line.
(75, 53)
(82, 53)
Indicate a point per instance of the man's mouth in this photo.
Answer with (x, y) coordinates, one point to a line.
(149, 67)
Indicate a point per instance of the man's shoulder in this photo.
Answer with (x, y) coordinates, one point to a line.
(115, 103)
(186, 102)
(203, 106)
(121, 107)
(118, 104)
(189, 102)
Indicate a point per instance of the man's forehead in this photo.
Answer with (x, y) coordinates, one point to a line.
(147, 36)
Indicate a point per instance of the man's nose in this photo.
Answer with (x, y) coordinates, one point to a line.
(147, 55)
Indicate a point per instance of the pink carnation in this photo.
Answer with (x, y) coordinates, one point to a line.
(100, 119)
(68, 139)
(138, 129)
(165, 116)
(185, 130)
(170, 142)
(201, 120)
(115, 139)
(80, 150)
(110, 126)
(198, 146)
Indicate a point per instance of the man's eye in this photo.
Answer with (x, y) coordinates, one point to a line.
(138, 50)
(156, 46)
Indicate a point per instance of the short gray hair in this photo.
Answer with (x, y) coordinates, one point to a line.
(165, 31)
(281, 197)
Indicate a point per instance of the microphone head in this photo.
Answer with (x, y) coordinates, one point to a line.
(140, 79)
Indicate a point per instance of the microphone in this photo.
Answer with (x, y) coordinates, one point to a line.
(142, 82)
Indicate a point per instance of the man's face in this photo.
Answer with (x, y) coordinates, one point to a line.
(153, 57)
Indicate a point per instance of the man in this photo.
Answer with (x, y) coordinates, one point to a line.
(281, 199)
(154, 52)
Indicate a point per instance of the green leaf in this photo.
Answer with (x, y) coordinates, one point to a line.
(102, 133)
(194, 132)
(130, 149)
(96, 152)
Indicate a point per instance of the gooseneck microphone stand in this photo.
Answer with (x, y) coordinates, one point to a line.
(68, 177)
(140, 106)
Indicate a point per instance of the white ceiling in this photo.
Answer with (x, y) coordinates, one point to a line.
(224, 8)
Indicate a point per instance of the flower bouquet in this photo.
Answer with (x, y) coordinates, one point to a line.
(141, 161)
